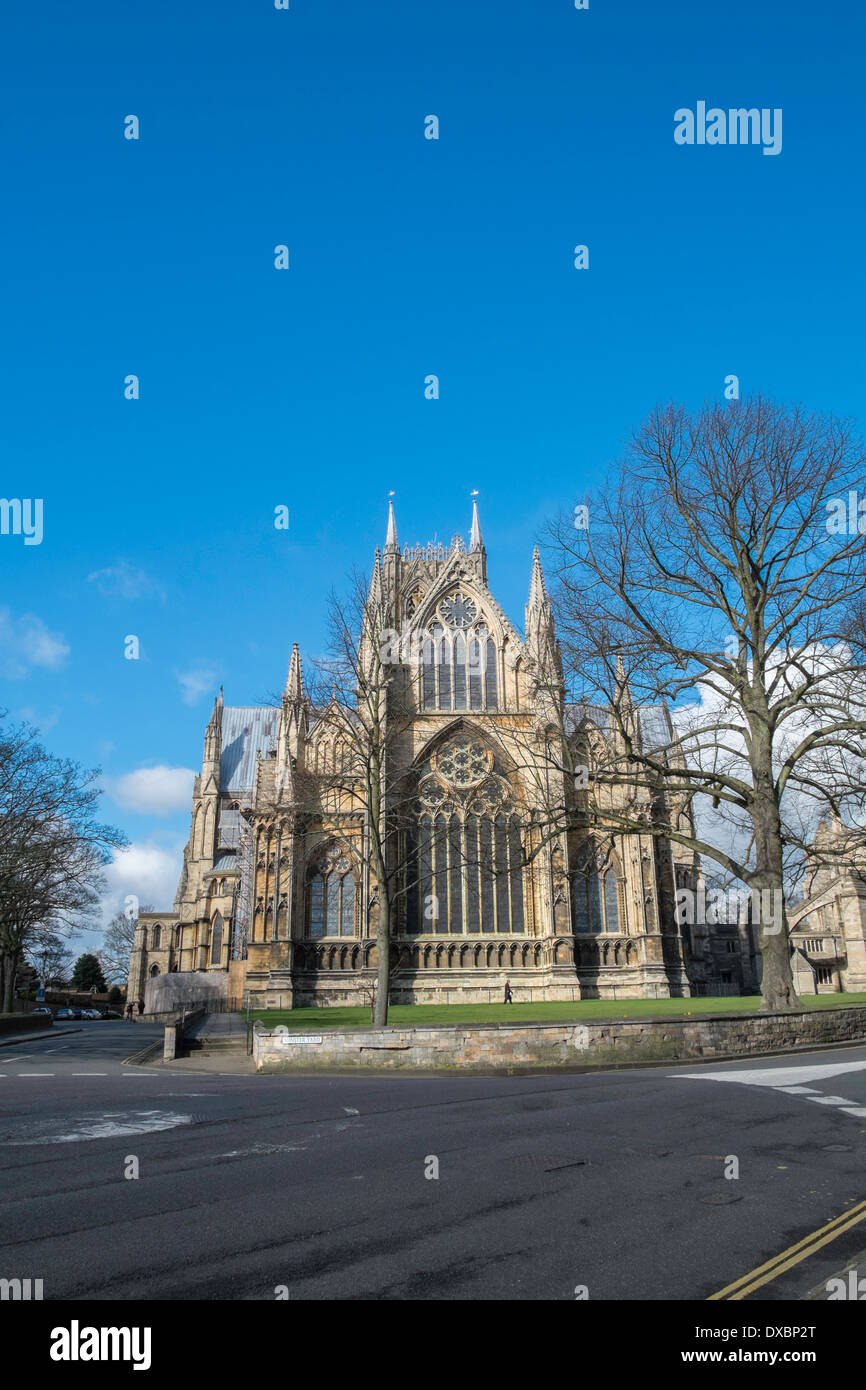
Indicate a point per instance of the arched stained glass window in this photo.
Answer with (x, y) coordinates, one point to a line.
(317, 905)
(460, 660)
(586, 901)
(611, 902)
(347, 906)
(464, 859)
(216, 939)
(331, 897)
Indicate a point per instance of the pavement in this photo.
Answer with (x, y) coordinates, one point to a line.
(178, 1181)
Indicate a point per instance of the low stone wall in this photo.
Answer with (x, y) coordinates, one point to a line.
(166, 994)
(24, 1023)
(599, 1042)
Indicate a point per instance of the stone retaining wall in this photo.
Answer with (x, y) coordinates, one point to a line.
(25, 1023)
(507, 1047)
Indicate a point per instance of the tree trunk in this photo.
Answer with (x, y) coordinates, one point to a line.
(777, 980)
(383, 946)
(10, 967)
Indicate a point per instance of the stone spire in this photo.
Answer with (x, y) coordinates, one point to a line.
(293, 721)
(476, 542)
(374, 593)
(391, 544)
(540, 634)
(213, 736)
(295, 679)
(538, 604)
(624, 704)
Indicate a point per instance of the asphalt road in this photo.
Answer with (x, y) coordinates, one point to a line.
(247, 1184)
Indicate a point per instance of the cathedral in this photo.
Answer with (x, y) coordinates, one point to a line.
(278, 900)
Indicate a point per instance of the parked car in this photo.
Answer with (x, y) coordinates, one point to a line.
(90, 1013)
(66, 1014)
(43, 1010)
(109, 1013)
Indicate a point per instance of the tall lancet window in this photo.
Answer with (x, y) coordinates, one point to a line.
(216, 939)
(331, 896)
(464, 851)
(595, 898)
(460, 659)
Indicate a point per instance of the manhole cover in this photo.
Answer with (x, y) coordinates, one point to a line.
(548, 1162)
(721, 1199)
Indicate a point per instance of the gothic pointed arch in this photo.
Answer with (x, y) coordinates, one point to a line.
(597, 897)
(331, 892)
(463, 839)
(216, 939)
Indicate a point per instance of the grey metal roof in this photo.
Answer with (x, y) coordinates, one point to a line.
(655, 726)
(246, 731)
(224, 863)
(596, 714)
(654, 721)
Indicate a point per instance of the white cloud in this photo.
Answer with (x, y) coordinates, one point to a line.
(195, 683)
(146, 871)
(26, 642)
(123, 580)
(157, 790)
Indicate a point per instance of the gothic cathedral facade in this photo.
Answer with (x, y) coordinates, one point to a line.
(278, 900)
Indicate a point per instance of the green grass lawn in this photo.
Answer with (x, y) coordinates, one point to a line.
(319, 1019)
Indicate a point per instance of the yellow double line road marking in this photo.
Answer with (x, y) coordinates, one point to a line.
(792, 1256)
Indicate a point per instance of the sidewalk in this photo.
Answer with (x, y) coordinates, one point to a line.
(219, 1045)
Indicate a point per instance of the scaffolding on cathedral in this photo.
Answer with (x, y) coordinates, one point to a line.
(243, 896)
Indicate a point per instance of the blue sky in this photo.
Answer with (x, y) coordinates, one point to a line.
(407, 257)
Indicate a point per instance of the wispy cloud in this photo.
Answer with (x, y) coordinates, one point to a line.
(123, 580)
(195, 683)
(26, 642)
(42, 722)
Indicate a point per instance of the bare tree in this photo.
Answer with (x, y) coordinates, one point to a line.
(362, 709)
(52, 848)
(712, 574)
(117, 944)
(51, 958)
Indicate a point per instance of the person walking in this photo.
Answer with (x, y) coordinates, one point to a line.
(129, 1012)
(509, 997)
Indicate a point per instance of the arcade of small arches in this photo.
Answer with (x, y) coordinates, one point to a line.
(483, 956)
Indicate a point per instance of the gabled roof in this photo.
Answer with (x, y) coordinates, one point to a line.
(654, 721)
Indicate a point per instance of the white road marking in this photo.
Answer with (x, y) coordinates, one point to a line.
(89, 1073)
(34, 1073)
(349, 1111)
(780, 1079)
(776, 1076)
(829, 1100)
